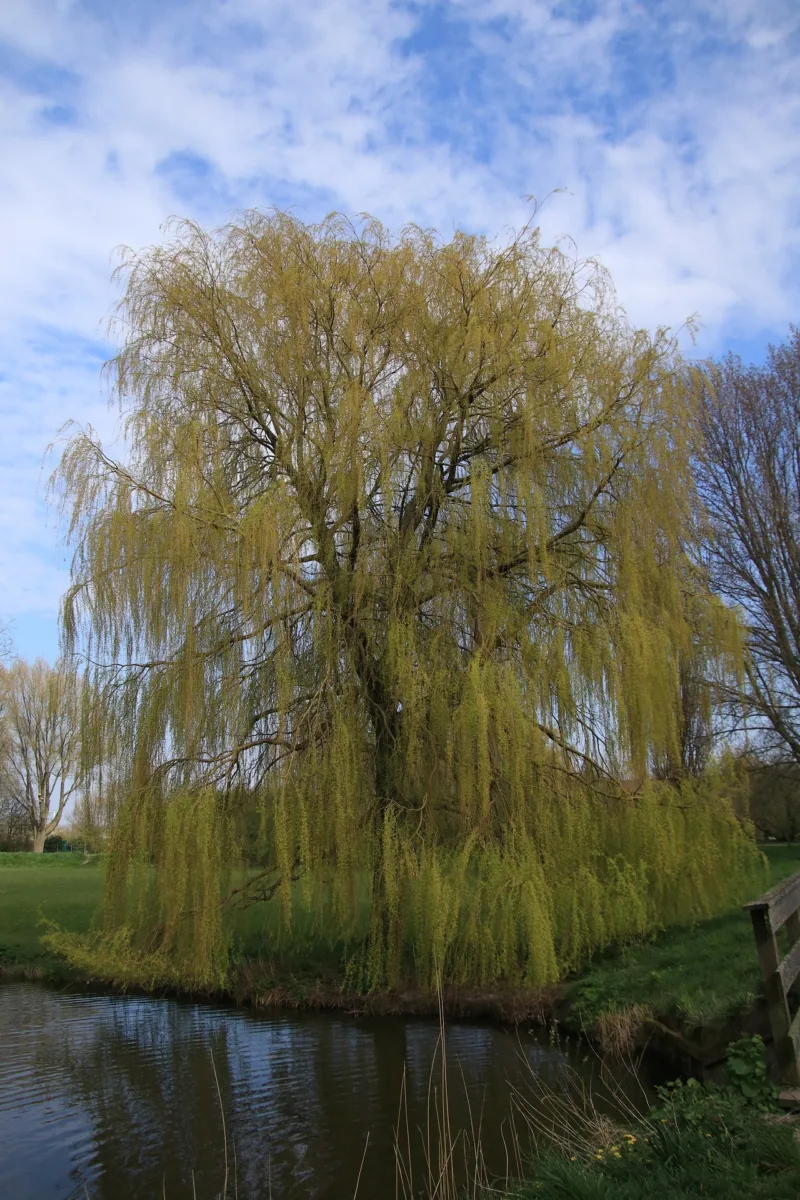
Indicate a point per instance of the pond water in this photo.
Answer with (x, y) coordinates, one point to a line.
(115, 1096)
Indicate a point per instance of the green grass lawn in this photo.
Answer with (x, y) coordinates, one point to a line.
(57, 887)
(66, 889)
(704, 974)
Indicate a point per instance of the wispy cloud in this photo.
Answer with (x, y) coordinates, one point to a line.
(674, 127)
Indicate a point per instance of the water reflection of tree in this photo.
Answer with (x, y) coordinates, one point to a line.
(300, 1091)
(143, 1070)
(294, 1094)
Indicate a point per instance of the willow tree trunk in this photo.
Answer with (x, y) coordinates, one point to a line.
(384, 925)
(38, 841)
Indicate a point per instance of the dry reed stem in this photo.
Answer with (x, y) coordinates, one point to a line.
(224, 1130)
(574, 1123)
(617, 1031)
(439, 1145)
(361, 1168)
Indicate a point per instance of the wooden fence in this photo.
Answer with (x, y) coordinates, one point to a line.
(777, 908)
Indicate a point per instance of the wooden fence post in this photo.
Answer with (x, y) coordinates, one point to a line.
(776, 908)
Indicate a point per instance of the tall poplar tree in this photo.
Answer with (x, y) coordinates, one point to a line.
(395, 553)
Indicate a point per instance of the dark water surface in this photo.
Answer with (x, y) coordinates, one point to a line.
(115, 1097)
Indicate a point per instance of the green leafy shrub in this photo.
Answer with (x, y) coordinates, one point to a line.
(748, 1074)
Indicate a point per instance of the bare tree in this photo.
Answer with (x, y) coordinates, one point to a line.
(40, 743)
(749, 480)
(14, 832)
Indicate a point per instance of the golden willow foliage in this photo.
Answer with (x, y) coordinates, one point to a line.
(397, 559)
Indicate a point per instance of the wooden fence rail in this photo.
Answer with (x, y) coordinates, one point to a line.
(770, 913)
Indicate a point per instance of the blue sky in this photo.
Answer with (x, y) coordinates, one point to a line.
(673, 129)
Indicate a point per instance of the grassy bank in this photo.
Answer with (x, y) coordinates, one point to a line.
(695, 1143)
(704, 975)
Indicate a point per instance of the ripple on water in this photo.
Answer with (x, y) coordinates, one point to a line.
(115, 1096)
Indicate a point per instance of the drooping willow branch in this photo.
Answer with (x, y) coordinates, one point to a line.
(399, 555)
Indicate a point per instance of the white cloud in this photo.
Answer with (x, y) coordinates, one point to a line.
(675, 128)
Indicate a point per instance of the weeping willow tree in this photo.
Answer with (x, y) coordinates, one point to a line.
(395, 557)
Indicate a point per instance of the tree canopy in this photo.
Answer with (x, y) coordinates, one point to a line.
(397, 554)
